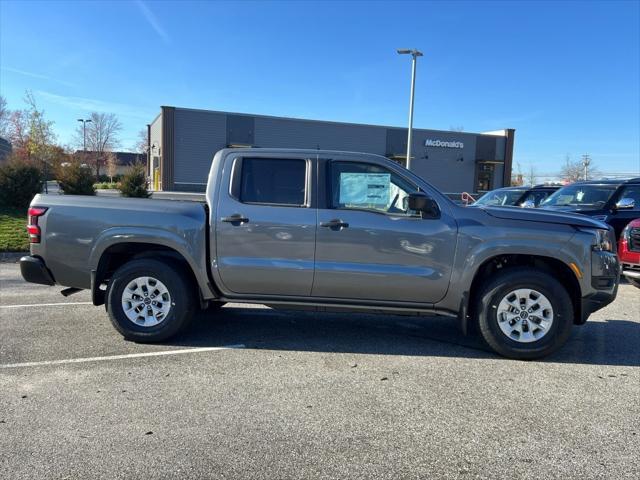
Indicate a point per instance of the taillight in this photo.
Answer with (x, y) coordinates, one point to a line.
(32, 225)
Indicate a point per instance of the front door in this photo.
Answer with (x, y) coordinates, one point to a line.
(371, 246)
(620, 218)
(266, 226)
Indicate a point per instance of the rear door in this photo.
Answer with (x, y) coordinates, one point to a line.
(266, 225)
(370, 246)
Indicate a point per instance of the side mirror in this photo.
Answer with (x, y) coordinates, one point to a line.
(528, 204)
(427, 206)
(625, 203)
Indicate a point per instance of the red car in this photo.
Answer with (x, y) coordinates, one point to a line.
(629, 252)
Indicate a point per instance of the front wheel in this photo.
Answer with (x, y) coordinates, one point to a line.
(524, 314)
(150, 301)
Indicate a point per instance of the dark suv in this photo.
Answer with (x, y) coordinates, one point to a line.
(615, 202)
(516, 196)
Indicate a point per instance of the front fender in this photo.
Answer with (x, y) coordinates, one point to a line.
(474, 251)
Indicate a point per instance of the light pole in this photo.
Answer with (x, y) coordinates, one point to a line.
(414, 56)
(84, 132)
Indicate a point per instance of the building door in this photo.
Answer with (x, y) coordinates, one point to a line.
(484, 176)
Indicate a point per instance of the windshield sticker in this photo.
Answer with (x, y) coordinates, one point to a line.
(371, 189)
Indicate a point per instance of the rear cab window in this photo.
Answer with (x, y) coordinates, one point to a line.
(271, 181)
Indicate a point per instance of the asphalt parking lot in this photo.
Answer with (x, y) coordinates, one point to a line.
(254, 393)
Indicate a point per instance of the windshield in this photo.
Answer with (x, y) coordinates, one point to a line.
(500, 198)
(581, 196)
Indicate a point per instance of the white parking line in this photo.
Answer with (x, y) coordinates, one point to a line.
(120, 357)
(46, 304)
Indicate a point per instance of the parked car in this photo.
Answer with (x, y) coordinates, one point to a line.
(615, 202)
(629, 252)
(528, 197)
(327, 230)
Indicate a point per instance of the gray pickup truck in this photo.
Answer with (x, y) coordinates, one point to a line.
(332, 231)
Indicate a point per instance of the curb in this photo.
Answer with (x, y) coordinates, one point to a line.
(11, 257)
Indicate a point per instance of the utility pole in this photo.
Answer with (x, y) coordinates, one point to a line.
(586, 161)
(414, 56)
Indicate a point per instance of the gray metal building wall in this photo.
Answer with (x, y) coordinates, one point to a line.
(199, 134)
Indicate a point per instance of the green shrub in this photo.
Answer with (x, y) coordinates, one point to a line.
(76, 178)
(106, 185)
(134, 182)
(19, 182)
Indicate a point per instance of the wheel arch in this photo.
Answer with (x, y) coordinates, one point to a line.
(553, 266)
(113, 249)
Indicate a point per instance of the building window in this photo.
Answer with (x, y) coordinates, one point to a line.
(484, 181)
(273, 181)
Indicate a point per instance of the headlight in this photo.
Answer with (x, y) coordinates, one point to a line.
(604, 240)
(602, 218)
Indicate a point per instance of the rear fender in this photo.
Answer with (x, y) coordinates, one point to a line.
(156, 236)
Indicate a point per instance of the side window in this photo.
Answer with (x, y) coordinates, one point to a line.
(536, 197)
(273, 181)
(364, 186)
(632, 192)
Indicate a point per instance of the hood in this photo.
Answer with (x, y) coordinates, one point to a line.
(585, 211)
(544, 216)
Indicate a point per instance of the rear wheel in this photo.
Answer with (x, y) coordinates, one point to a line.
(150, 301)
(524, 314)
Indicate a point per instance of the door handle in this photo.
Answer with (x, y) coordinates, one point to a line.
(235, 218)
(336, 223)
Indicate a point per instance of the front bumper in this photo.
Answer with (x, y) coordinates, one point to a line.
(34, 270)
(605, 277)
(631, 270)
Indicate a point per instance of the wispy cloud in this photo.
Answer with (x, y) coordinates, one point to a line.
(94, 105)
(152, 20)
(37, 75)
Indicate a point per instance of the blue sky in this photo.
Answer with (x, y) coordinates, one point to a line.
(566, 76)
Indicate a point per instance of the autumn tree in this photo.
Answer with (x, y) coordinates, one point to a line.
(18, 133)
(102, 137)
(41, 142)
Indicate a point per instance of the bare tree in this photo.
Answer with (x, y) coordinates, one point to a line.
(102, 137)
(532, 175)
(517, 178)
(4, 117)
(141, 144)
(574, 170)
(112, 165)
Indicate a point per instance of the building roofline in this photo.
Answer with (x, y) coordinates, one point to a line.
(333, 122)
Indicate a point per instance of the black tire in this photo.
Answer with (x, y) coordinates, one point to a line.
(179, 286)
(505, 282)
